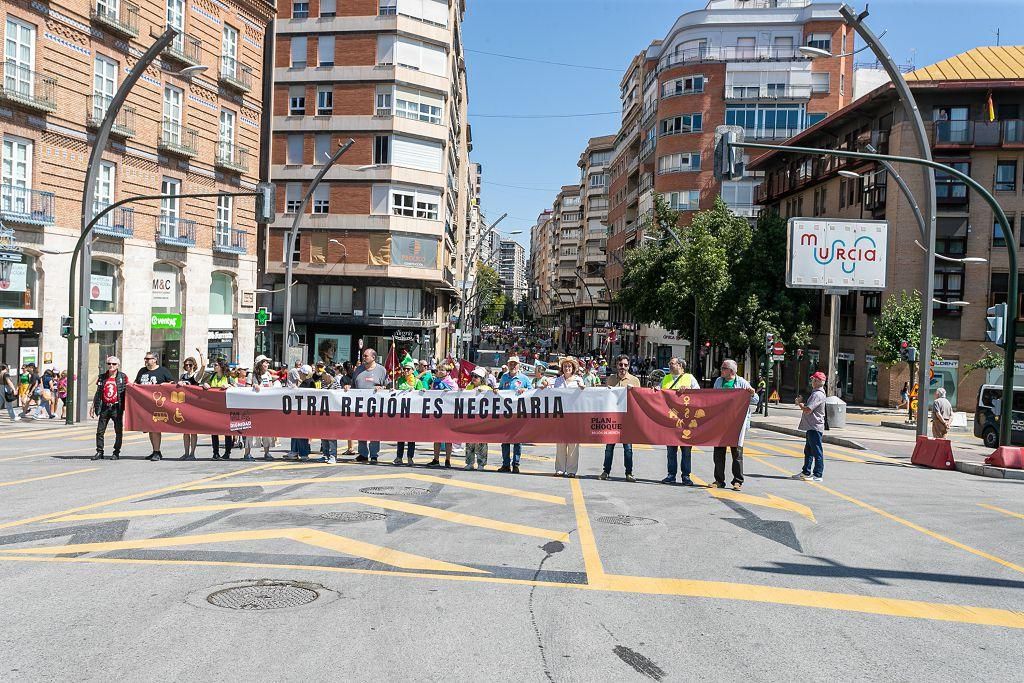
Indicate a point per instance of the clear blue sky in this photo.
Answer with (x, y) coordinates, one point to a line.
(542, 153)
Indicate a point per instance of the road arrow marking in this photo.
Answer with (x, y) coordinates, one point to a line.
(767, 500)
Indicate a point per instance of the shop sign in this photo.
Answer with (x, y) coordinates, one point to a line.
(219, 335)
(165, 290)
(106, 322)
(14, 278)
(166, 321)
(946, 364)
(870, 360)
(21, 325)
(101, 288)
(842, 355)
(9, 248)
(404, 335)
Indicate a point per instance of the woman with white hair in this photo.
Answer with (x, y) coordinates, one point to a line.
(730, 380)
(567, 455)
(942, 414)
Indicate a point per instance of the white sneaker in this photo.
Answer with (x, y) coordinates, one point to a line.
(329, 459)
(290, 456)
(815, 478)
(469, 468)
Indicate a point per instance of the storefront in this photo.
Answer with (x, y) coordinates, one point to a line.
(945, 374)
(167, 320)
(107, 321)
(19, 341)
(844, 375)
(20, 323)
(870, 381)
(220, 337)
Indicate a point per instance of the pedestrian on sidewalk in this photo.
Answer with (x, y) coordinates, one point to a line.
(678, 379)
(812, 421)
(108, 404)
(942, 414)
(8, 392)
(730, 380)
(904, 396)
(150, 374)
(620, 378)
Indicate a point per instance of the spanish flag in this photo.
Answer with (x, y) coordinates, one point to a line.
(991, 108)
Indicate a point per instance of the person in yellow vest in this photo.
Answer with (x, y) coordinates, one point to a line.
(678, 379)
(221, 379)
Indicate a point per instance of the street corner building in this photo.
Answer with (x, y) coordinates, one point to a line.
(972, 105)
(169, 275)
(379, 257)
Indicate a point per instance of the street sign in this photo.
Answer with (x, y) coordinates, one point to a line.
(11, 256)
(779, 349)
(263, 316)
(826, 253)
(779, 358)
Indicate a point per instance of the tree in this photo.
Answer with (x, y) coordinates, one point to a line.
(490, 302)
(899, 322)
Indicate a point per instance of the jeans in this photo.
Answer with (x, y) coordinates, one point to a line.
(371, 448)
(511, 453)
(329, 447)
(627, 455)
(108, 414)
(737, 464)
(408, 448)
(685, 460)
(44, 405)
(301, 447)
(10, 406)
(814, 456)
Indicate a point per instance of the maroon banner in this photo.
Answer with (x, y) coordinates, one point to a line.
(593, 415)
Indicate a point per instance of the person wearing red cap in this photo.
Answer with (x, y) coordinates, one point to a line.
(813, 423)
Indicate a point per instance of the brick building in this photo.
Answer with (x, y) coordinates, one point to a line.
(176, 134)
(953, 96)
(734, 62)
(381, 250)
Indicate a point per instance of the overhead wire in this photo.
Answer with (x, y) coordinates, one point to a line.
(544, 61)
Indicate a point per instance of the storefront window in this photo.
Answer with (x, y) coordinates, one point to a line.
(104, 287)
(220, 336)
(105, 300)
(167, 319)
(18, 283)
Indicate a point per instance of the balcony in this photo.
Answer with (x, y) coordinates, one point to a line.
(770, 133)
(231, 157)
(770, 92)
(185, 49)
(649, 112)
(173, 231)
(120, 18)
(26, 88)
(235, 75)
(179, 140)
(96, 109)
(229, 241)
(25, 206)
(959, 134)
(118, 223)
(732, 53)
(1013, 131)
(647, 148)
(743, 209)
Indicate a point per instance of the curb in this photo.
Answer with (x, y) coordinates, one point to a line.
(983, 470)
(827, 438)
(898, 425)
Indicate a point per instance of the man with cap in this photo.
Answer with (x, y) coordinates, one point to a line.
(108, 404)
(476, 453)
(512, 380)
(812, 421)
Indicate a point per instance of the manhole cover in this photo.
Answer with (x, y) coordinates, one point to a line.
(626, 520)
(394, 491)
(353, 516)
(263, 595)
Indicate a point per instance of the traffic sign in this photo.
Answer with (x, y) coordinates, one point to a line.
(263, 316)
(779, 349)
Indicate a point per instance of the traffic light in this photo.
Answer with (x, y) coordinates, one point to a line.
(728, 158)
(65, 326)
(995, 324)
(912, 354)
(266, 203)
(799, 354)
(904, 345)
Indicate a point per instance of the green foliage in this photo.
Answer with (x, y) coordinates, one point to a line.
(490, 300)
(988, 361)
(900, 321)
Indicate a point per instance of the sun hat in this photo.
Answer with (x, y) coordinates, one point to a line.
(819, 375)
(569, 359)
(479, 372)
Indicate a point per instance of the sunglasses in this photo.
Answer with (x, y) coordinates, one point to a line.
(111, 364)
(149, 359)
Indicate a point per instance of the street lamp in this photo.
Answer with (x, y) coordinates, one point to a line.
(273, 291)
(465, 274)
(190, 71)
(965, 259)
(952, 303)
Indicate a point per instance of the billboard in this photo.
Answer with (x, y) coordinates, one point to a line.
(827, 253)
(410, 251)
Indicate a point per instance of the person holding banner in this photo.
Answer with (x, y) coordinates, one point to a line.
(621, 378)
(153, 373)
(730, 380)
(539, 379)
(193, 376)
(261, 377)
(221, 379)
(476, 453)
(567, 455)
(512, 380)
(444, 381)
(682, 456)
(369, 375)
(407, 382)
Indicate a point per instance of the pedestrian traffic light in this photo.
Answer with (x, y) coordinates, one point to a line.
(904, 345)
(995, 324)
(65, 326)
(799, 354)
(266, 203)
(912, 354)
(728, 158)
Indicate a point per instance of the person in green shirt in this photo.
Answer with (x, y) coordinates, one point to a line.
(424, 375)
(407, 381)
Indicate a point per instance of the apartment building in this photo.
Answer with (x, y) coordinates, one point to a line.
(512, 270)
(566, 234)
(591, 257)
(381, 248)
(543, 266)
(177, 134)
(734, 62)
(954, 96)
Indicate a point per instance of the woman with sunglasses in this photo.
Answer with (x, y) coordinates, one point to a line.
(192, 376)
(221, 379)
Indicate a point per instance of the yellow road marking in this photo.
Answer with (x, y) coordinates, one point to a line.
(410, 508)
(51, 452)
(767, 501)
(49, 476)
(588, 544)
(313, 537)
(518, 493)
(121, 499)
(1005, 512)
(905, 522)
(27, 431)
(835, 455)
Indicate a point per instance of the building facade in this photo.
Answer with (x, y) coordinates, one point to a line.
(381, 250)
(512, 270)
(591, 257)
(954, 97)
(735, 62)
(168, 276)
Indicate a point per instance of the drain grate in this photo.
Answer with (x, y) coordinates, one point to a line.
(395, 491)
(263, 595)
(350, 516)
(626, 520)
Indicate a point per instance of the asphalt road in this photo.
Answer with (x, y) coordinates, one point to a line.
(882, 571)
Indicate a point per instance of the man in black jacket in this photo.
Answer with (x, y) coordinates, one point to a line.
(108, 404)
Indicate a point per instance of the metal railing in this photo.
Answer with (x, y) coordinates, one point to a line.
(231, 157)
(770, 133)
(122, 17)
(28, 88)
(118, 223)
(646, 149)
(230, 241)
(174, 231)
(26, 206)
(185, 48)
(235, 74)
(96, 109)
(978, 133)
(767, 92)
(1013, 131)
(178, 139)
(731, 53)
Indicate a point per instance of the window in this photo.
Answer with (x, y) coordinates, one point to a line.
(324, 101)
(949, 189)
(106, 299)
(298, 52)
(388, 8)
(425, 155)
(872, 302)
(322, 199)
(334, 300)
(226, 139)
(675, 163)
(297, 100)
(292, 197)
(295, 144)
(745, 47)
(383, 101)
(16, 176)
(819, 81)
(814, 118)
(382, 149)
(325, 51)
(222, 226)
(683, 86)
(998, 239)
(321, 149)
(393, 302)
(685, 123)
(104, 190)
(300, 9)
(402, 203)
(738, 195)
(417, 105)
(176, 18)
(1006, 176)
(842, 84)
(598, 179)
(949, 286)
(328, 8)
(822, 41)
(104, 83)
(172, 115)
(684, 201)
(600, 158)
(229, 51)
(169, 207)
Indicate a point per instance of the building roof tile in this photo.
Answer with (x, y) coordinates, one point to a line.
(1004, 62)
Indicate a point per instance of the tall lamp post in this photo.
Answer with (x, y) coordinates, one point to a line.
(470, 260)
